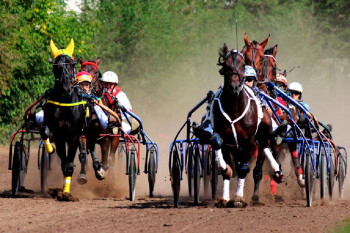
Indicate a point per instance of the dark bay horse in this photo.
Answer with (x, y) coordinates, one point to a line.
(268, 74)
(108, 144)
(65, 113)
(239, 122)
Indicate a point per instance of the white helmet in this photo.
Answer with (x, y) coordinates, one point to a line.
(295, 86)
(110, 77)
(249, 72)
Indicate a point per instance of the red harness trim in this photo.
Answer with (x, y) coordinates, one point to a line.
(109, 99)
(90, 63)
(115, 91)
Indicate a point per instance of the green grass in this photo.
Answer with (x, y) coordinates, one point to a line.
(344, 228)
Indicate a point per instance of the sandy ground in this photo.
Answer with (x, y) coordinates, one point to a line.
(104, 206)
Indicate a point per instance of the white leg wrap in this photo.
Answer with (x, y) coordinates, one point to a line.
(220, 159)
(274, 124)
(240, 187)
(226, 190)
(274, 165)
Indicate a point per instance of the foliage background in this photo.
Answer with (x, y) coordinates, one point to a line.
(165, 52)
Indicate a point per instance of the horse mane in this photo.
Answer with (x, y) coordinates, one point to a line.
(222, 57)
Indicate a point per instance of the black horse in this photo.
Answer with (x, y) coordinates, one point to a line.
(239, 122)
(65, 116)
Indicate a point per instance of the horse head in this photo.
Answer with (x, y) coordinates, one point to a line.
(253, 52)
(232, 63)
(92, 68)
(269, 68)
(63, 68)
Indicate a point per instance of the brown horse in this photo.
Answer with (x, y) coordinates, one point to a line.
(108, 145)
(238, 121)
(266, 67)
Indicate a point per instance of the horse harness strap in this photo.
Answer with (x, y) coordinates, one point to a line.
(232, 122)
(71, 105)
(67, 104)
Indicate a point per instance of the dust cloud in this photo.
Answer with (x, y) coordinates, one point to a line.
(325, 82)
(163, 109)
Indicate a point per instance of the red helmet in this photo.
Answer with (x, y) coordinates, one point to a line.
(83, 76)
(282, 79)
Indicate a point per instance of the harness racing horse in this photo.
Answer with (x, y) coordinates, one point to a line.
(107, 143)
(238, 121)
(268, 74)
(65, 113)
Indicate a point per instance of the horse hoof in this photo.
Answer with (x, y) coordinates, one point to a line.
(100, 173)
(82, 179)
(54, 192)
(22, 189)
(221, 203)
(63, 196)
(277, 176)
(301, 181)
(238, 202)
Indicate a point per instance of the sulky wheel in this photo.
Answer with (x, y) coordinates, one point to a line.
(44, 167)
(190, 162)
(341, 171)
(175, 177)
(323, 173)
(151, 171)
(132, 174)
(16, 167)
(196, 175)
(309, 173)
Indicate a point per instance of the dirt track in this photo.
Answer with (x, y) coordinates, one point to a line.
(103, 207)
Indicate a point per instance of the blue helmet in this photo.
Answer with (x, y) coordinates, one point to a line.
(249, 72)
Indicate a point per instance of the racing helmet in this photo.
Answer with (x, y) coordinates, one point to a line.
(282, 79)
(83, 76)
(249, 72)
(295, 86)
(110, 77)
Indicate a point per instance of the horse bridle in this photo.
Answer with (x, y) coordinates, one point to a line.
(234, 53)
(65, 72)
(265, 67)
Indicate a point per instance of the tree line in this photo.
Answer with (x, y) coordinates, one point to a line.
(151, 42)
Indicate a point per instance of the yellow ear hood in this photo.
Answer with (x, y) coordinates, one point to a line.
(56, 52)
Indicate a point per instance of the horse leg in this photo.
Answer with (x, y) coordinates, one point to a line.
(82, 178)
(224, 168)
(113, 149)
(105, 144)
(68, 169)
(100, 173)
(296, 163)
(257, 175)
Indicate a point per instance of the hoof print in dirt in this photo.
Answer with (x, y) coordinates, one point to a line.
(54, 192)
(63, 196)
(256, 203)
(220, 203)
(278, 198)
